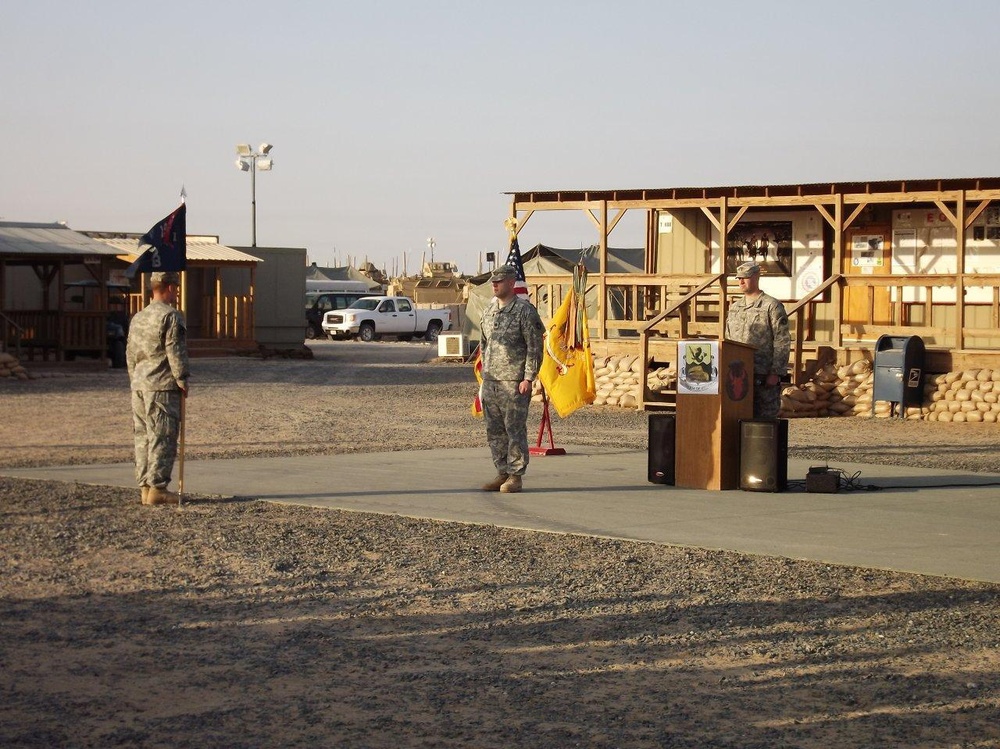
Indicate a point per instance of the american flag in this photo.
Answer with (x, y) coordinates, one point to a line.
(514, 261)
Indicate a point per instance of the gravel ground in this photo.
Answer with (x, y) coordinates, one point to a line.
(245, 624)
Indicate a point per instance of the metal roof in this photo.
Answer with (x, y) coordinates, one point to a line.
(207, 250)
(874, 187)
(24, 239)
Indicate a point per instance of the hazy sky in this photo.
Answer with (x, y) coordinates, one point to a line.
(396, 121)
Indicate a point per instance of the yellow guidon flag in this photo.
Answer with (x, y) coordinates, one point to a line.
(477, 367)
(567, 371)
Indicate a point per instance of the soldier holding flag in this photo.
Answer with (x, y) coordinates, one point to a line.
(157, 361)
(511, 351)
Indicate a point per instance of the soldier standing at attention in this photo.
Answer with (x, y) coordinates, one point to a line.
(157, 360)
(759, 320)
(512, 354)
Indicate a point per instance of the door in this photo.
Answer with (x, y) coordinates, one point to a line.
(868, 252)
(391, 321)
(407, 316)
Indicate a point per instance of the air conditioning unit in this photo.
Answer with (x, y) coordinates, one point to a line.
(452, 346)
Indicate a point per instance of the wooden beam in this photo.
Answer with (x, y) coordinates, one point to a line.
(735, 219)
(616, 219)
(837, 296)
(947, 212)
(711, 217)
(958, 220)
(902, 197)
(574, 205)
(524, 219)
(727, 226)
(602, 313)
(826, 215)
(976, 212)
(652, 241)
(593, 217)
(855, 213)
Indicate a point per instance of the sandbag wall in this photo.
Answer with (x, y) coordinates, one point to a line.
(617, 379)
(11, 367)
(969, 396)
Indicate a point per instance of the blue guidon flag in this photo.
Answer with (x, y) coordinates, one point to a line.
(166, 245)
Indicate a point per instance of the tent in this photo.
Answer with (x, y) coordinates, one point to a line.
(341, 273)
(541, 260)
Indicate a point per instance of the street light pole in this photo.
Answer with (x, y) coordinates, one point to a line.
(253, 161)
(253, 206)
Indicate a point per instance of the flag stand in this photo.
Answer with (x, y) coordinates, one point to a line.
(546, 424)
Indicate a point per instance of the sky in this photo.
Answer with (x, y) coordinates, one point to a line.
(393, 122)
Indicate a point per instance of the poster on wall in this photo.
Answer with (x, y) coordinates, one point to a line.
(766, 242)
(866, 251)
(699, 370)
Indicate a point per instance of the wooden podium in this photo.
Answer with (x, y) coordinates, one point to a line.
(707, 442)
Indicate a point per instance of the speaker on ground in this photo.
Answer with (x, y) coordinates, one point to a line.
(661, 448)
(764, 455)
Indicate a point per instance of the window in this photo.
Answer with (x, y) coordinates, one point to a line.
(404, 305)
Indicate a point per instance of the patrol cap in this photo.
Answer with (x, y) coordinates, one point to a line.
(502, 273)
(164, 277)
(746, 270)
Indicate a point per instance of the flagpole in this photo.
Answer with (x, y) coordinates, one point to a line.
(180, 480)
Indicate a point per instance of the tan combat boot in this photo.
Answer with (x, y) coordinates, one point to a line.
(495, 484)
(144, 492)
(512, 485)
(159, 496)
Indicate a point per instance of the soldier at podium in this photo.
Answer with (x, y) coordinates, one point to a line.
(759, 320)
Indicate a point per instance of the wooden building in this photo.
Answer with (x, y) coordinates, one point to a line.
(60, 288)
(45, 310)
(851, 261)
(216, 295)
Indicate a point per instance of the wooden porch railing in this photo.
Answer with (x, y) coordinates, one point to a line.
(682, 308)
(899, 313)
(227, 317)
(56, 333)
(676, 307)
(12, 334)
(802, 318)
(631, 300)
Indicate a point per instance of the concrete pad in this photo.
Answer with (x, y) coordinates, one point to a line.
(928, 521)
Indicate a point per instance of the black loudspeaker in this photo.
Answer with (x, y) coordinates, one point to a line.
(764, 455)
(661, 448)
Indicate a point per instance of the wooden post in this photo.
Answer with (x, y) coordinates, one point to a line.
(219, 316)
(602, 312)
(836, 295)
(960, 268)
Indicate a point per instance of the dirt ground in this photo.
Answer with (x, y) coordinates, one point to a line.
(245, 624)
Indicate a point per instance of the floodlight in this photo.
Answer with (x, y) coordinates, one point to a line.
(253, 162)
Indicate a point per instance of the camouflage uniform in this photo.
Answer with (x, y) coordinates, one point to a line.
(157, 361)
(762, 324)
(512, 352)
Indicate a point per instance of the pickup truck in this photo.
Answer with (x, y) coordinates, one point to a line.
(375, 316)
